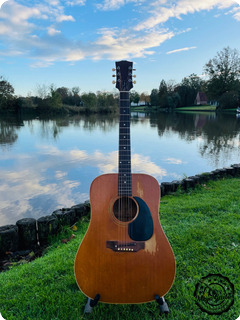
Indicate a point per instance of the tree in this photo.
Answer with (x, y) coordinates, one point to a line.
(76, 96)
(224, 74)
(106, 102)
(6, 93)
(188, 89)
(154, 98)
(6, 89)
(89, 101)
(42, 91)
(134, 97)
(145, 97)
(163, 95)
(55, 98)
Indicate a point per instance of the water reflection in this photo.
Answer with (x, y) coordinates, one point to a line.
(217, 134)
(50, 163)
(8, 131)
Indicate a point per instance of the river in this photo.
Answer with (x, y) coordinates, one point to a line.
(50, 164)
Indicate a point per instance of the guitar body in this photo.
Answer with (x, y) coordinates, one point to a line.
(125, 261)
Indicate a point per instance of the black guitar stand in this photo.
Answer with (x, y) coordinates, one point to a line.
(162, 305)
(91, 304)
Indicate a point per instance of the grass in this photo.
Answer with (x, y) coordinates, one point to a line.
(204, 231)
(190, 108)
(197, 108)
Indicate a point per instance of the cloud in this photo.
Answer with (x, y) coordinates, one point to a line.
(174, 161)
(116, 4)
(36, 30)
(120, 44)
(63, 17)
(180, 50)
(2, 2)
(162, 12)
(52, 31)
(76, 3)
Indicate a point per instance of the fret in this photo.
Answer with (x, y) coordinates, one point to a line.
(124, 155)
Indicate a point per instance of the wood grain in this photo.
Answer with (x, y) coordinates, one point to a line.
(123, 277)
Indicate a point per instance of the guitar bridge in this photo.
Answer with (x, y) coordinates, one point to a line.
(125, 246)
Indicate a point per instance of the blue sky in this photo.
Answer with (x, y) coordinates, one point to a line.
(75, 42)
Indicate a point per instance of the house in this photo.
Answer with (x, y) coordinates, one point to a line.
(139, 104)
(201, 98)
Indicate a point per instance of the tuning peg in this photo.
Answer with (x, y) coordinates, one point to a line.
(134, 76)
(113, 75)
(133, 69)
(134, 82)
(113, 82)
(113, 69)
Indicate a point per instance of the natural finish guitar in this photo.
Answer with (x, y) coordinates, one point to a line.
(125, 256)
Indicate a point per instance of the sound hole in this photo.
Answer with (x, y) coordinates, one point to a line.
(125, 209)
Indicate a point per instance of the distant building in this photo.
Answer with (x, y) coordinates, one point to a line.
(201, 98)
(139, 104)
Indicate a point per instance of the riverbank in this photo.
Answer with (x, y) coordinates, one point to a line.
(190, 108)
(202, 226)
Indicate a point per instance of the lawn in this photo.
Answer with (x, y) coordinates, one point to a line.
(203, 228)
(197, 108)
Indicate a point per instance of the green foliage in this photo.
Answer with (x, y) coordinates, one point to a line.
(188, 90)
(89, 102)
(154, 98)
(55, 99)
(7, 100)
(203, 229)
(134, 97)
(224, 77)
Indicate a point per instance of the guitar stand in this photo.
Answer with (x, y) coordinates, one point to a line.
(162, 304)
(91, 304)
(160, 301)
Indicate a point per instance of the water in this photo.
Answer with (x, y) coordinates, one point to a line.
(50, 164)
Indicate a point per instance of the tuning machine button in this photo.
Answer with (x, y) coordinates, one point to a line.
(113, 69)
(113, 82)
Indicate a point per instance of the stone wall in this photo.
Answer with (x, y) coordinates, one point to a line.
(30, 234)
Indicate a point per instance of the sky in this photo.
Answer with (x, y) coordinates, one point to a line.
(76, 42)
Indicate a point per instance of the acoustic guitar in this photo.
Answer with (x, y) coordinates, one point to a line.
(125, 256)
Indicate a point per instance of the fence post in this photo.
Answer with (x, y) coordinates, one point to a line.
(27, 231)
(8, 239)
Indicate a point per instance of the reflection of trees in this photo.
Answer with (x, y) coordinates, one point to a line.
(217, 131)
(8, 130)
(92, 121)
(53, 127)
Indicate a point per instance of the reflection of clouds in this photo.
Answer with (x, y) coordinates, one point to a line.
(144, 165)
(60, 175)
(105, 162)
(21, 193)
(40, 182)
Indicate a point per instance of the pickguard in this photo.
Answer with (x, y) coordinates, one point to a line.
(141, 229)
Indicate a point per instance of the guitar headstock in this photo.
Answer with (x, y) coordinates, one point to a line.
(124, 74)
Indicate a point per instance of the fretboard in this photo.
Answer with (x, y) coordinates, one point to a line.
(124, 154)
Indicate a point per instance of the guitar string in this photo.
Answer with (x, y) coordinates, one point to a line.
(125, 163)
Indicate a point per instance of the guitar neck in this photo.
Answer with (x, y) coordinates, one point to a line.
(124, 154)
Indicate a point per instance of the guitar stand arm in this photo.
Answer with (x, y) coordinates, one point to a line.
(91, 304)
(162, 304)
